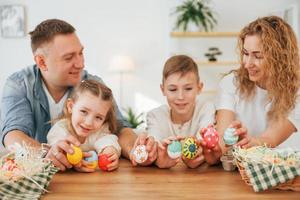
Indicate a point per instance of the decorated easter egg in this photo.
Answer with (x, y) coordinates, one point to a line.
(211, 137)
(229, 137)
(92, 160)
(103, 162)
(140, 154)
(76, 157)
(174, 149)
(189, 149)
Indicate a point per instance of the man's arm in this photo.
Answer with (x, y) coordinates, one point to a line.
(127, 139)
(19, 137)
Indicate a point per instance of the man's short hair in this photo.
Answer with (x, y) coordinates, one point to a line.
(47, 30)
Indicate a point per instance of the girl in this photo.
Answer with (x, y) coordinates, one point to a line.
(185, 115)
(262, 95)
(89, 116)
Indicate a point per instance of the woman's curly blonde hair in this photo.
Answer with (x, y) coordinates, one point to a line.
(281, 62)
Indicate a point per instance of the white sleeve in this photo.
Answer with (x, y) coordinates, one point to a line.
(106, 140)
(56, 133)
(294, 116)
(225, 98)
(153, 126)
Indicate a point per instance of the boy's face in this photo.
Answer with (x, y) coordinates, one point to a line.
(181, 92)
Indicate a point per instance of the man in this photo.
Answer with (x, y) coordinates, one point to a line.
(35, 95)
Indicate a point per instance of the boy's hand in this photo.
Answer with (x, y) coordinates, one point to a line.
(151, 147)
(113, 157)
(83, 165)
(198, 160)
(212, 156)
(163, 159)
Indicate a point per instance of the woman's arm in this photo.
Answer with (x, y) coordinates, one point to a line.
(275, 134)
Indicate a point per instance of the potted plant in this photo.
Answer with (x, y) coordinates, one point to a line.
(212, 53)
(197, 12)
(133, 119)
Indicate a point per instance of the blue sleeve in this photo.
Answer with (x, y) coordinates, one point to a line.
(16, 111)
(121, 121)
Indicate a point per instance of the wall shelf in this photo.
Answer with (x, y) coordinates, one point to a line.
(217, 64)
(204, 34)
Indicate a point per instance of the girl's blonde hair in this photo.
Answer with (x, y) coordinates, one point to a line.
(281, 62)
(99, 90)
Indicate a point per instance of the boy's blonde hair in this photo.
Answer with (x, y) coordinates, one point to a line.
(180, 64)
(99, 90)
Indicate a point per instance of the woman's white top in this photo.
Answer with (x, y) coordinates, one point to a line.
(253, 113)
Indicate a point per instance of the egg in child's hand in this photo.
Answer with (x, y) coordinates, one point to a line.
(229, 137)
(140, 154)
(189, 149)
(103, 161)
(92, 160)
(210, 137)
(174, 149)
(76, 157)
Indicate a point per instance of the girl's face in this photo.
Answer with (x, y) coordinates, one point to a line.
(88, 113)
(253, 59)
(181, 92)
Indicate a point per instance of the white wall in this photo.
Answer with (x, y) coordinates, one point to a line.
(138, 28)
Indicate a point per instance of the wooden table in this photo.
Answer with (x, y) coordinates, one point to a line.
(158, 184)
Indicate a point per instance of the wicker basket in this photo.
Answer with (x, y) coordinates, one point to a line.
(293, 184)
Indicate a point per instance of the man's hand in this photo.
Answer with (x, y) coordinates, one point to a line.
(58, 151)
(151, 148)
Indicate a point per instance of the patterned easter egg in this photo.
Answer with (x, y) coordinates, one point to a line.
(174, 149)
(140, 154)
(76, 157)
(103, 162)
(229, 137)
(92, 160)
(211, 137)
(189, 149)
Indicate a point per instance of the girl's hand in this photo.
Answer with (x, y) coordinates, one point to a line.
(198, 160)
(112, 157)
(151, 147)
(83, 165)
(163, 159)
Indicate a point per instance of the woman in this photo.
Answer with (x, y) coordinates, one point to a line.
(260, 98)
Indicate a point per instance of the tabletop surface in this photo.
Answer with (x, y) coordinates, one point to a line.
(152, 183)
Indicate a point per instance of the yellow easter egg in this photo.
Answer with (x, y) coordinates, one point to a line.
(76, 157)
(189, 149)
